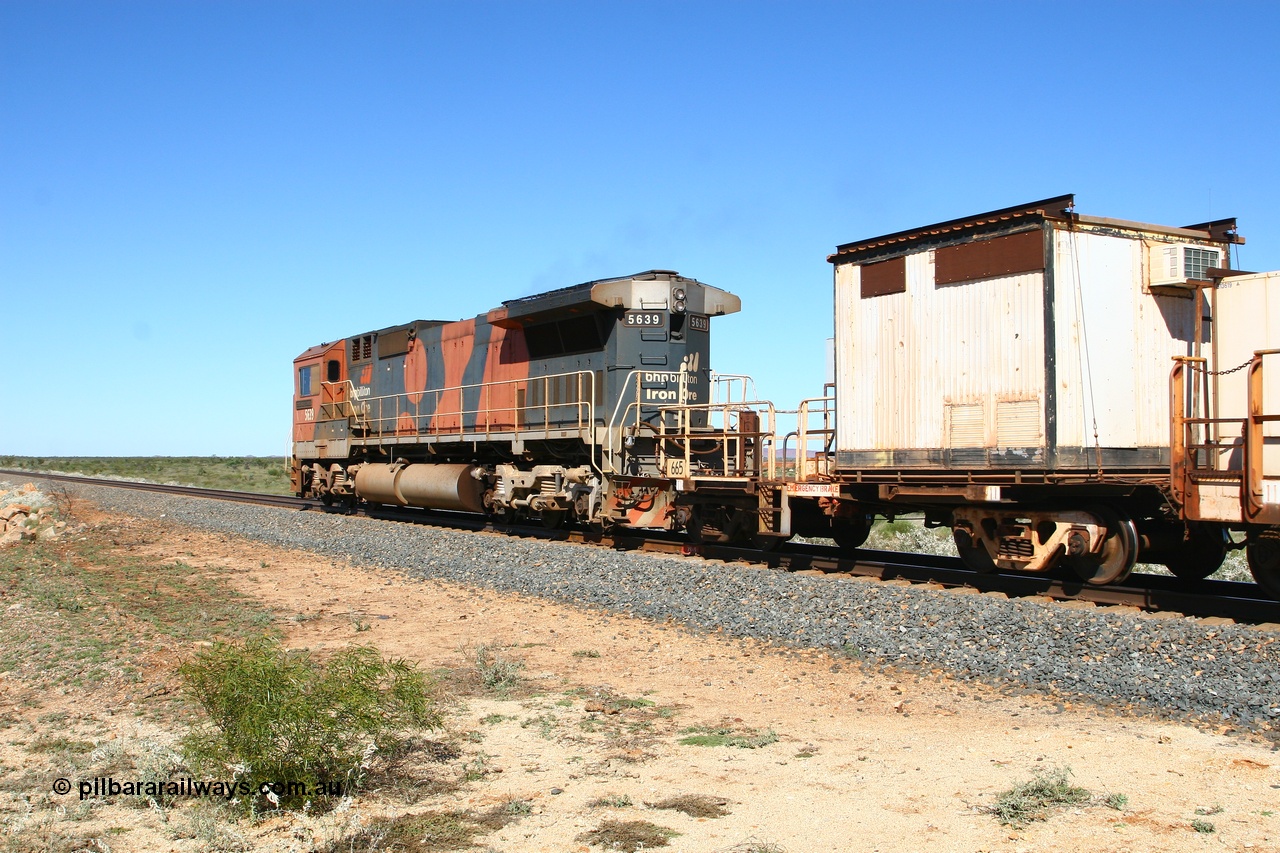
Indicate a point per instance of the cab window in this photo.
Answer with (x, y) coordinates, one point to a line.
(304, 381)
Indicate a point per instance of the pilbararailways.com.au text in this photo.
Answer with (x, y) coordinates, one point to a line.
(108, 786)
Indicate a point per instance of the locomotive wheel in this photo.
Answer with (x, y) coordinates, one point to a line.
(707, 526)
(852, 534)
(1119, 552)
(1200, 557)
(1264, 560)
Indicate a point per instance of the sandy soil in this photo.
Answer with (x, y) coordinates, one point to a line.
(864, 760)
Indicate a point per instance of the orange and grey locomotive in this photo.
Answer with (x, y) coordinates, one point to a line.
(546, 407)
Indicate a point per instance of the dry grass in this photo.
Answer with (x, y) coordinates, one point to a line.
(77, 610)
(425, 832)
(628, 835)
(694, 805)
(611, 801)
(728, 735)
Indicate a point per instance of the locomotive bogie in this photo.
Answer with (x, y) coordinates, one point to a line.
(545, 490)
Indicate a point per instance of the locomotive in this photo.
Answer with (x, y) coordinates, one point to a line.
(548, 407)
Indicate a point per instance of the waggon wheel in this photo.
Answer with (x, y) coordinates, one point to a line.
(1119, 551)
(852, 533)
(553, 519)
(1264, 560)
(976, 558)
(972, 552)
(1200, 557)
(764, 542)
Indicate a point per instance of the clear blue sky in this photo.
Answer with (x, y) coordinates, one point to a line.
(193, 193)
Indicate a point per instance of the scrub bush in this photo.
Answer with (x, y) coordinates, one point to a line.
(283, 717)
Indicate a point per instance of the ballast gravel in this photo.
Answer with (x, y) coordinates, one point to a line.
(1180, 667)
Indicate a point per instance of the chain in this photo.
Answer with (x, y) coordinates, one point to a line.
(1221, 372)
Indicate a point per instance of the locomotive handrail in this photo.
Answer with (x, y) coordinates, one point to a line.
(628, 416)
(444, 419)
(614, 426)
(621, 421)
(334, 408)
(735, 439)
(728, 381)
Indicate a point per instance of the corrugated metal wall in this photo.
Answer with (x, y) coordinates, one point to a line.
(1132, 336)
(1248, 319)
(959, 365)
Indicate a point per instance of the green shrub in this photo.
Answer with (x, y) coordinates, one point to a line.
(284, 717)
(498, 673)
(1034, 800)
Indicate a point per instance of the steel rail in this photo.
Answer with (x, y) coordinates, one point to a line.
(187, 491)
(1156, 594)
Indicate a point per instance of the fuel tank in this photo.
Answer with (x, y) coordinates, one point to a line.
(429, 486)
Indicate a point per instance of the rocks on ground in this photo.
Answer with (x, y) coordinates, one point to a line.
(27, 514)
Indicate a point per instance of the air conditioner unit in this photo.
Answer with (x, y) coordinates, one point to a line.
(1173, 264)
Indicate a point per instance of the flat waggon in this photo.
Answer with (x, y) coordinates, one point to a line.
(1065, 392)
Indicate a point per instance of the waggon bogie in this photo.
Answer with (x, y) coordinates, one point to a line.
(1263, 552)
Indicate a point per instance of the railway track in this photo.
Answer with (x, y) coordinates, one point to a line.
(1157, 595)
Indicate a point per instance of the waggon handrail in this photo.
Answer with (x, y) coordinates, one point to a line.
(825, 407)
(1191, 458)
